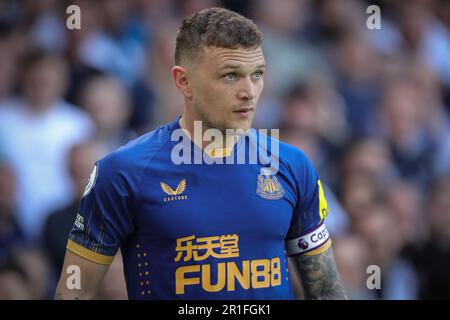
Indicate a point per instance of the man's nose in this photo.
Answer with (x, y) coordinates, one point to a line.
(247, 89)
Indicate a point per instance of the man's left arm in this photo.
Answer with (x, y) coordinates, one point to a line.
(308, 242)
(319, 276)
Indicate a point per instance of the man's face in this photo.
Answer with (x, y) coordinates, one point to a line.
(226, 85)
(44, 83)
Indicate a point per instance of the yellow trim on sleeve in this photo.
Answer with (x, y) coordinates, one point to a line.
(320, 250)
(89, 254)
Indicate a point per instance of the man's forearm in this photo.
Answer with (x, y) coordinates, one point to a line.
(72, 294)
(60, 296)
(89, 275)
(319, 276)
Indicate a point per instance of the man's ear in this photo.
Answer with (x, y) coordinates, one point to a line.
(182, 82)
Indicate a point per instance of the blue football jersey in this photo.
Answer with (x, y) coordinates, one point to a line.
(201, 231)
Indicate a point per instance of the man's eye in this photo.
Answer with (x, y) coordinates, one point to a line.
(230, 76)
(258, 75)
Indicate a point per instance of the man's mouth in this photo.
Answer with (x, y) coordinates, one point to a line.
(244, 112)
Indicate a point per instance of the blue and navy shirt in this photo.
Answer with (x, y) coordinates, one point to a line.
(201, 231)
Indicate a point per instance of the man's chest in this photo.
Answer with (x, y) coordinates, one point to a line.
(205, 201)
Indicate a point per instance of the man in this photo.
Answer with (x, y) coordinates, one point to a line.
(80, 160)
(202, 230)
(37, 128)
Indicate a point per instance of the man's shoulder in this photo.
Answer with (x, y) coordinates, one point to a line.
(287, 153)
(137, 153)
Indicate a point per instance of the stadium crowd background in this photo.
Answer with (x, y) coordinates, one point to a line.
(369, 107)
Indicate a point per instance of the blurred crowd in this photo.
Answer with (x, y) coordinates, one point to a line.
(371, 108)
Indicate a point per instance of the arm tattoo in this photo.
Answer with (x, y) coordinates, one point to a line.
(319, 276)
(58, 296)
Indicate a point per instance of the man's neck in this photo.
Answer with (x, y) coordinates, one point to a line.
(187, 124)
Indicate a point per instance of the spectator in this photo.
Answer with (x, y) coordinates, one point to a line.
(380, 229)
(405, 129)
(11, 235)
(352, 259)
(109, 105)
(81, 160)
(37, 128)
(432, 258)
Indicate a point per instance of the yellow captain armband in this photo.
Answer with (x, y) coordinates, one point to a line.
(312, 242)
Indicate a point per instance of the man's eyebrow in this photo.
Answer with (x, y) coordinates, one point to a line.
(237, 66)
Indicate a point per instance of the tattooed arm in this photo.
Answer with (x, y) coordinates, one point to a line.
(90, 275)
(319, 276)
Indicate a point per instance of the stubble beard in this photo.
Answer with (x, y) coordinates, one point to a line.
(208, 123)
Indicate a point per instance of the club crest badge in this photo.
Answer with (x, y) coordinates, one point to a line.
(269, 187)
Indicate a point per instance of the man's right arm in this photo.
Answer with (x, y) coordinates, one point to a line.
(91, 276)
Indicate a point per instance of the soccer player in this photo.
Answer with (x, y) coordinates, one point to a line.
(206, 230)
